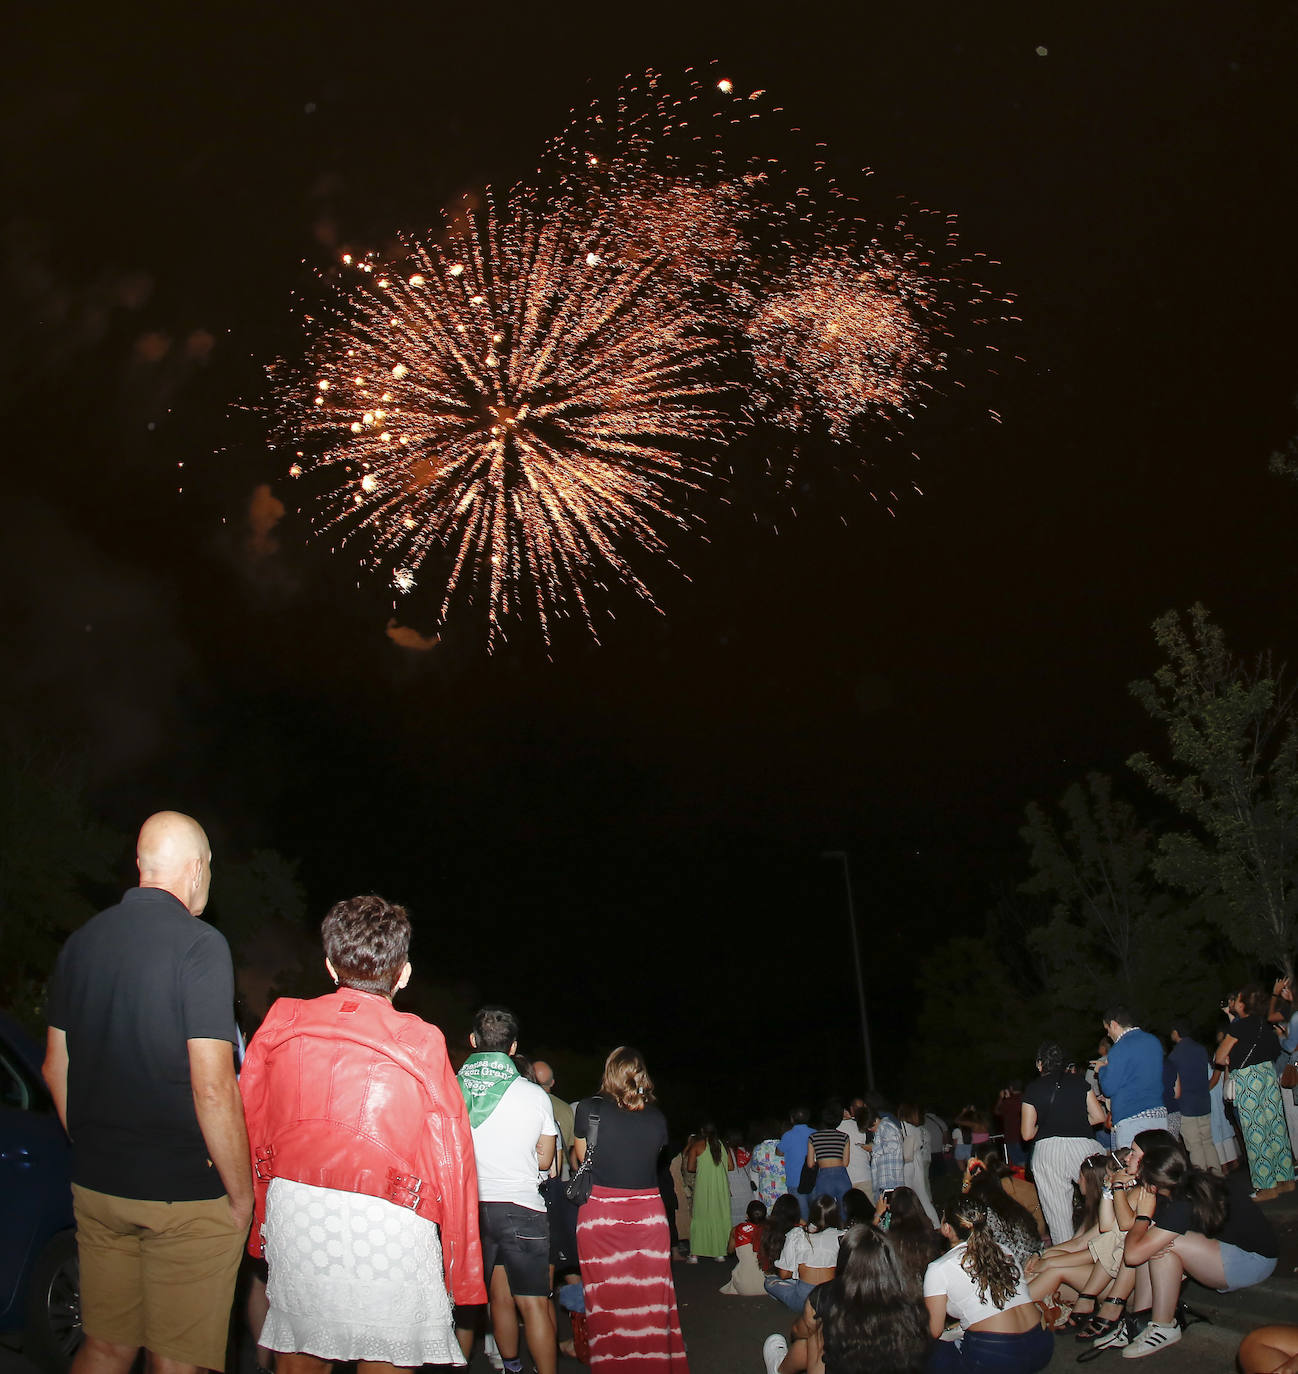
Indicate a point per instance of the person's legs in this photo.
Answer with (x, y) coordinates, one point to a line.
(538, 1327)
(1196, 1131)
(1165, 1274)
(302, 1364)
(504, 1315)
(98, 1356)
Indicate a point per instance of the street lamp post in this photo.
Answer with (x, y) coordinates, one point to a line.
(856, 964)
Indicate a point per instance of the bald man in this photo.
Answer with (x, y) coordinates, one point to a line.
(140, 1061)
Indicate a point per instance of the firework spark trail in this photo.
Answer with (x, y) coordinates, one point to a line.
(522, 399)
(532, 398)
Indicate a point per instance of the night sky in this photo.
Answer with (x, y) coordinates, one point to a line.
(625, 842)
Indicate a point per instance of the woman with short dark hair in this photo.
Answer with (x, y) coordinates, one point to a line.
(365, 1187)
(1060, 1113)
(623, 1242)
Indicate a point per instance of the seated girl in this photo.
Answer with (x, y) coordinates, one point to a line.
(981, 1287)
(809, 1257)
(867, 1317)
(746, 1278)
(1190, 1222)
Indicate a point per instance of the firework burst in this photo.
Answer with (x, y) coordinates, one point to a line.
(523, 397)
(522, 411)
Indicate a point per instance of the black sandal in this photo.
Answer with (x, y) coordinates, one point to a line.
(1102, 1326)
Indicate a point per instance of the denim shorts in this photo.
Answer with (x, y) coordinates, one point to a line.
(518, 1238)
(1243, 1268)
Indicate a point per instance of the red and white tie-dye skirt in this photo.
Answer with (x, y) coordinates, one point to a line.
(624, 1249)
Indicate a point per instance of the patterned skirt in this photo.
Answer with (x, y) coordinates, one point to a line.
(1262, 1124)
(623, 1247)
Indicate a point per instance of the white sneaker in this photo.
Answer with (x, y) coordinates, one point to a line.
(774, 1349)
(492, 1353)
(1153, 1338)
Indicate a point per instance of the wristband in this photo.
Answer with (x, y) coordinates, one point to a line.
(1106, 1193)
(1148, 1219)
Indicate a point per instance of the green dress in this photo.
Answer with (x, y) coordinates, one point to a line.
(710, 1227)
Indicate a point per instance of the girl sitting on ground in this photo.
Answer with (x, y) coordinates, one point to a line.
(914, 1241)
(1191, 1222)
(746, 1279)
(979, 1285)
(784, 1216)
(1087, 1264)
(1012, 1225)
(866, 1318)
(809, 1257)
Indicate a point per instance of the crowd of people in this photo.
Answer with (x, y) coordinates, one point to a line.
(396, 1211)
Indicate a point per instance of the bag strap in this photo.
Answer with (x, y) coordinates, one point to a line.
(592, 1126)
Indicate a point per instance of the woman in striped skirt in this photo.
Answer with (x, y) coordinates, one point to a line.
(1250, 1047)
(623, 1243)
(1060, 1113)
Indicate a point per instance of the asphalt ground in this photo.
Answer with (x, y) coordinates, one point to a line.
(724, 1335)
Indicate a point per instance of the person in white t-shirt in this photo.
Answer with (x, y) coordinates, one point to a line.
(981, 1286)
(514, 1144)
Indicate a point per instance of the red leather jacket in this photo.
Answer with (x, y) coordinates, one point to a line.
(345, 1092)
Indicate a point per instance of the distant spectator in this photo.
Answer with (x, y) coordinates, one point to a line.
(793, 1149)
(1131, 1077)
(1059, 1114)
(1224, 1139)
(1189, 1061)
(746, 1279)
(710, 1162)
(1009, 1112)
(829, 1149)
(887, 1159)
(915, 1157)
(857, 1128)
(766, 1165)
(1250, 1048)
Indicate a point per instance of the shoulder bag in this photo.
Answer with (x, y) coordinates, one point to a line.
(578, 1187)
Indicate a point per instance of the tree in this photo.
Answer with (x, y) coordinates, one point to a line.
(56, 862)
(1233, 741)
(1111, 922)
(1284, 462)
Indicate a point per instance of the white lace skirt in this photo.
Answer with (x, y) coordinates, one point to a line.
(353, 1277)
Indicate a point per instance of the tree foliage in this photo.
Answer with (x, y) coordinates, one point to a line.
(1233, 772)
(1111, 923)
(57, 863)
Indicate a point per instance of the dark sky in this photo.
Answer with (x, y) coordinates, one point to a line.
(625, 842)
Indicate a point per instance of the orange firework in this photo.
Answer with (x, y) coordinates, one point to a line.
(517, 398)
(842, 339)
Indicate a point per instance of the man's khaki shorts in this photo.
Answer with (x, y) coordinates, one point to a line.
(158, 1274)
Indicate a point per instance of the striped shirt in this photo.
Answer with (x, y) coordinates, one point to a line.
(830, 1144)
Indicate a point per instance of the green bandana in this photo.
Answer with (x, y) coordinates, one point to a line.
(483, 1081)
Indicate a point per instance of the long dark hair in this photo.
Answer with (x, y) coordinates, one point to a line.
(1167, 1167)
(784, 1215)
(911, 1235)
(824, 1214)
(1090, 1180)
(877, 1321)
(994, 1273)
(709, 1133)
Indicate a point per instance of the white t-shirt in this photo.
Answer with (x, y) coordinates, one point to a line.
(945, 1275)
(817, 1248)
(858, 1159)
(505, 1146)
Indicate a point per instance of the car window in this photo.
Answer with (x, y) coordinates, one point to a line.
(14, 1091)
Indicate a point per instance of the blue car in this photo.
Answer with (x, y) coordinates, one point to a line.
(40, 1293)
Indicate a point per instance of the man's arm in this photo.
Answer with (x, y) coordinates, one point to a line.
(545, 1147)
(55, 1071)
(220, 1117)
